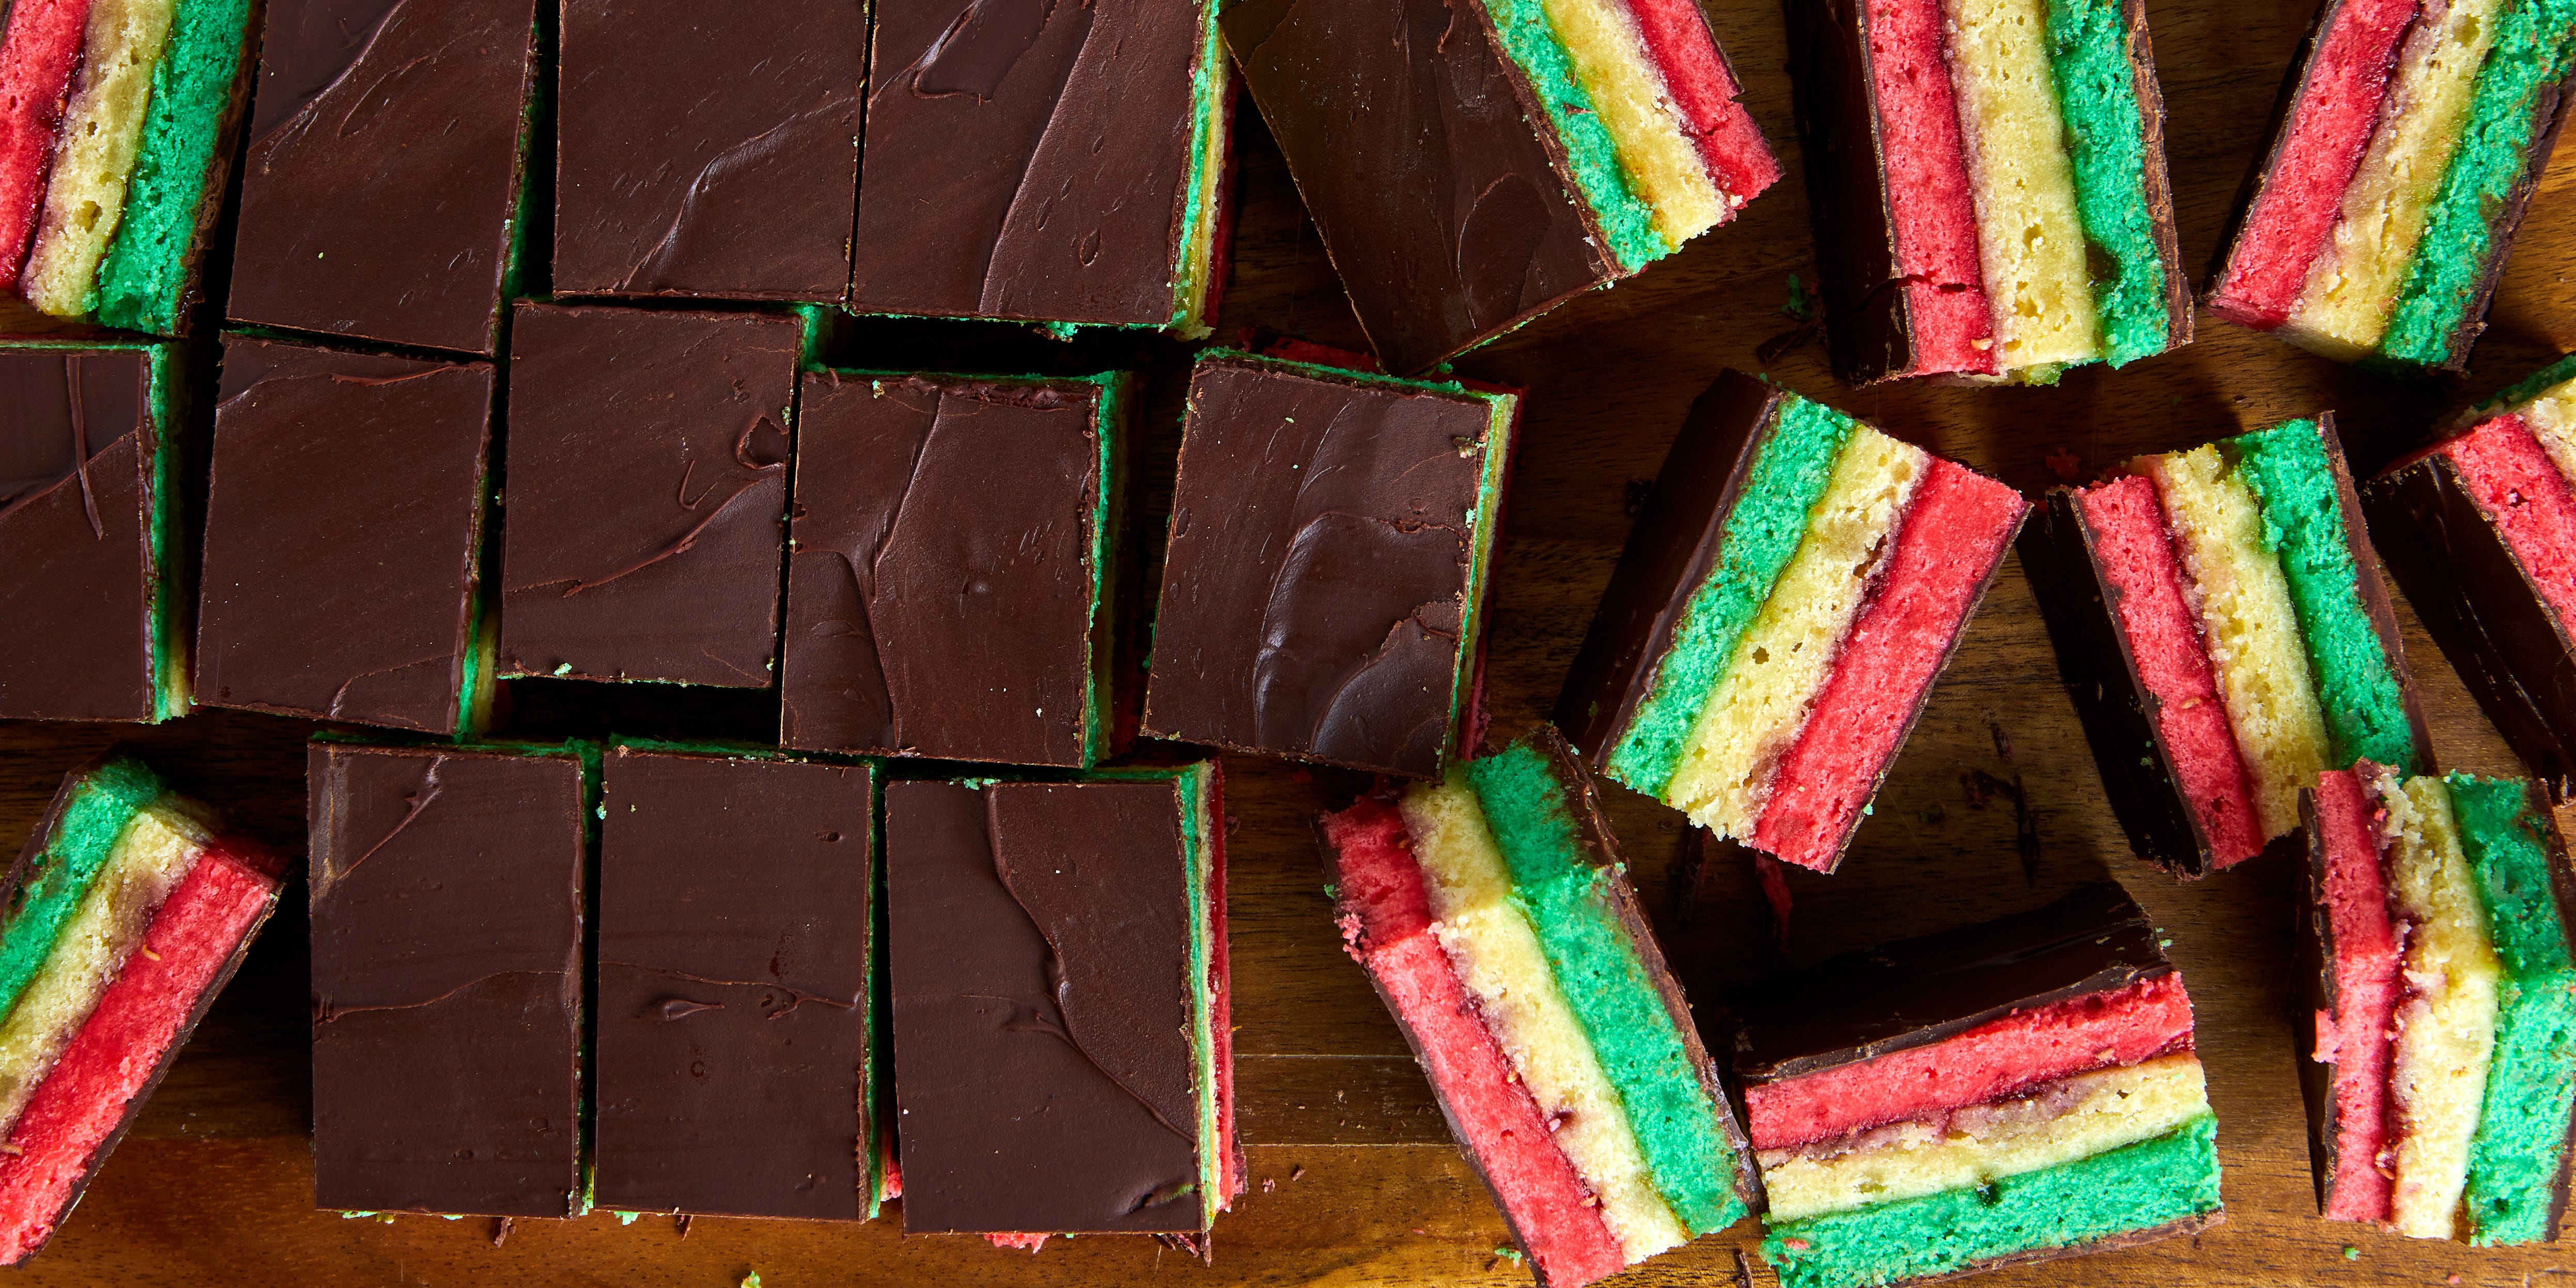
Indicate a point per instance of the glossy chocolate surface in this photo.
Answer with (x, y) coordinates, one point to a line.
(76, 453)
(1670, 553)
(447, 907)
(1315, 589)
(1447, 211)
(940, 586)
(708, 150)
(647, 490)
(381, 190)
(1027, 159)
(1039, 944)
(733, 1003)
(1919, 991)
(344, 519)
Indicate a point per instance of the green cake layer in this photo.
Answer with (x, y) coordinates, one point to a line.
(1109, 506)
(1762, 532)
(2137, 1187)
(2527, 388)
(142, 282)
(2534, 46)
(2097, 91)
(172, 695)
(83, 838)
(2522, 1123)
(1570, 903)
(2357, 685)
(1626, 221)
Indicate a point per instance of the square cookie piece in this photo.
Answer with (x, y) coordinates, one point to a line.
(381, 195)
(447, 979)
(2021, 1090)
(1471, 164)
(380, 624)
(1063, 164)
(949, 586)
(734, 995)
(1324, 588)
(647, 494)
(708, 150)
(1777, 521)
(90, 596)
(1063, 1061)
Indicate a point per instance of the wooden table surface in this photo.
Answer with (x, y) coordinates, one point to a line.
(1994, 806)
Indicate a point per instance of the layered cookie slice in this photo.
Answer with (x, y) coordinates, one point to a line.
(130, 907)
(1989, 186)
(1493, 912)
(2480, 531)
(2437, 1044)
(1064, 165)
(2221, 625)
(2015, 1091)
(1063, 1060)
(1471, 165)
(2412, 136)
(1324, 588)
(1779, 615)
(117, 128)
(93, 591)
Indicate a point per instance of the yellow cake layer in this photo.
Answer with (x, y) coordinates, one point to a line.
(1627, 90)
(2446, 1028)
(1498, 959)
(2029, 238)
(2551, 414)
(1749, 720)
(2077, 1118)
(2352, 289)
(102, 129)
(2249, 626)
(156, 849)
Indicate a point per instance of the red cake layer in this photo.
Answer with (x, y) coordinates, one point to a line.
(1953, 534)
(1704, 88)
(78, 1110)
(1927, 189)
(36, 58)
(2353, 1034)
(2135, 551)
(2522, 493)
(1386, 925)
(2328, 130)
(1989, 1062)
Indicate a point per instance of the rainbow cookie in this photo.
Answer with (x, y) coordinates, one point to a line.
(1493, 913)
(2222, 628)
(2480, 530)
(1988, 181)
(2438, 1043)
(2020, 1090)
(2411, 138)
(1776, 622)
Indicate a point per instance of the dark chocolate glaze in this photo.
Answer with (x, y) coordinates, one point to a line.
(447, 952)
(344, 517)
(2312, 994)
(2156, 181)
(1027, 159)
(381, 189)
(1315, 589)
(647, 493)
(2510, 650)
(1039, 947)
(1442, 198)
(77, 442)
(939, 589)
(1869, 330)
(1915, 992)
(708, 150)
(732, 1047)
(1675, 545)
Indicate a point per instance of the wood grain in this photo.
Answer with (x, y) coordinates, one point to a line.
(1994, 806)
